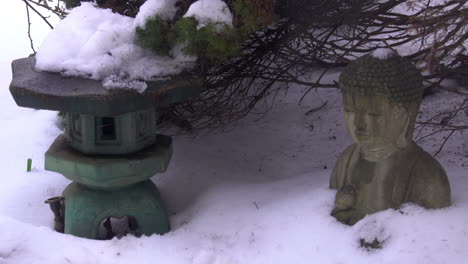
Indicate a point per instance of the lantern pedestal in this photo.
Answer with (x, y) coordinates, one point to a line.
(87, 209)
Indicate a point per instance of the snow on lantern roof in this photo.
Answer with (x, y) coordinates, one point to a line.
(98, 44)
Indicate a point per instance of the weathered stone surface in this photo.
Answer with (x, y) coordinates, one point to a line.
(131, 132)
(52, 91)
(108, 171)
(86, 209)
(384, 168)
(366, 187)
(394, 77)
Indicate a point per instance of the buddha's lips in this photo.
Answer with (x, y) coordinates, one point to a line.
(361, 134)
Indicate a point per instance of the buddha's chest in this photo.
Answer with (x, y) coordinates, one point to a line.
(374, 183)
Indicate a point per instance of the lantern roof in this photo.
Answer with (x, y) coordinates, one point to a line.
(53, 91)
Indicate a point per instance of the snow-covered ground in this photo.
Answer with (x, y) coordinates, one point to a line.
(257, 193)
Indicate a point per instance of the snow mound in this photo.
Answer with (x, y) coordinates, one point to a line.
(165, 9)
(383, 53)
(96, 43)
(206, 11)
(372, 231)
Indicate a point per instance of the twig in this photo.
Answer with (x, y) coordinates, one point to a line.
(29, 29)
(316, 109)
(39, 14)
(451, 114)
(445, 125)
(256, 205)
(443, 143)
(58, 11)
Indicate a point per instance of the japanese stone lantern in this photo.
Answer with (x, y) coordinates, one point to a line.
(109, 150)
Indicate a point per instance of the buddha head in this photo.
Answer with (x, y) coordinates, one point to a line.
(381, 97)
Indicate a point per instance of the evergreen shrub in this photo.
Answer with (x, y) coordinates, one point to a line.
(213, 41)
(155, 36)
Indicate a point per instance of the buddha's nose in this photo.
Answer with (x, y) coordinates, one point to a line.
(360, 123)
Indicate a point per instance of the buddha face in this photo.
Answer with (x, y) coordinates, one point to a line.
(373, 121)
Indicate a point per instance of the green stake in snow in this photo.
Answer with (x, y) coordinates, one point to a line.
(28, 168)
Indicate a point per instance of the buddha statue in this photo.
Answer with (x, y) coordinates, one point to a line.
(384, 168)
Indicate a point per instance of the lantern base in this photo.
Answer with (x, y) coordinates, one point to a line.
(86, 209)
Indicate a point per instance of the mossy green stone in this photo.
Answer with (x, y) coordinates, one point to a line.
(129, 132)
(85, 208)
(108, 171)
(109, 149)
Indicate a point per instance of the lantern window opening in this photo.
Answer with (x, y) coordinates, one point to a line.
(107, 130)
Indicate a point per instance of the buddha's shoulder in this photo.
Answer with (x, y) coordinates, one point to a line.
(430, 186)
(429, 167)
(347, 153)
(337, 178)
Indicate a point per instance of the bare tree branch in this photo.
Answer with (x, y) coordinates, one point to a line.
(29, 29)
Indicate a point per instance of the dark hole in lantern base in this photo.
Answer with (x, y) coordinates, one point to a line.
(108, 128)
(112, 227)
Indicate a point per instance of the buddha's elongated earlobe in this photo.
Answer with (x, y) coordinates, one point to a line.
(401, 114)
(404, 138)
(398, 111)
